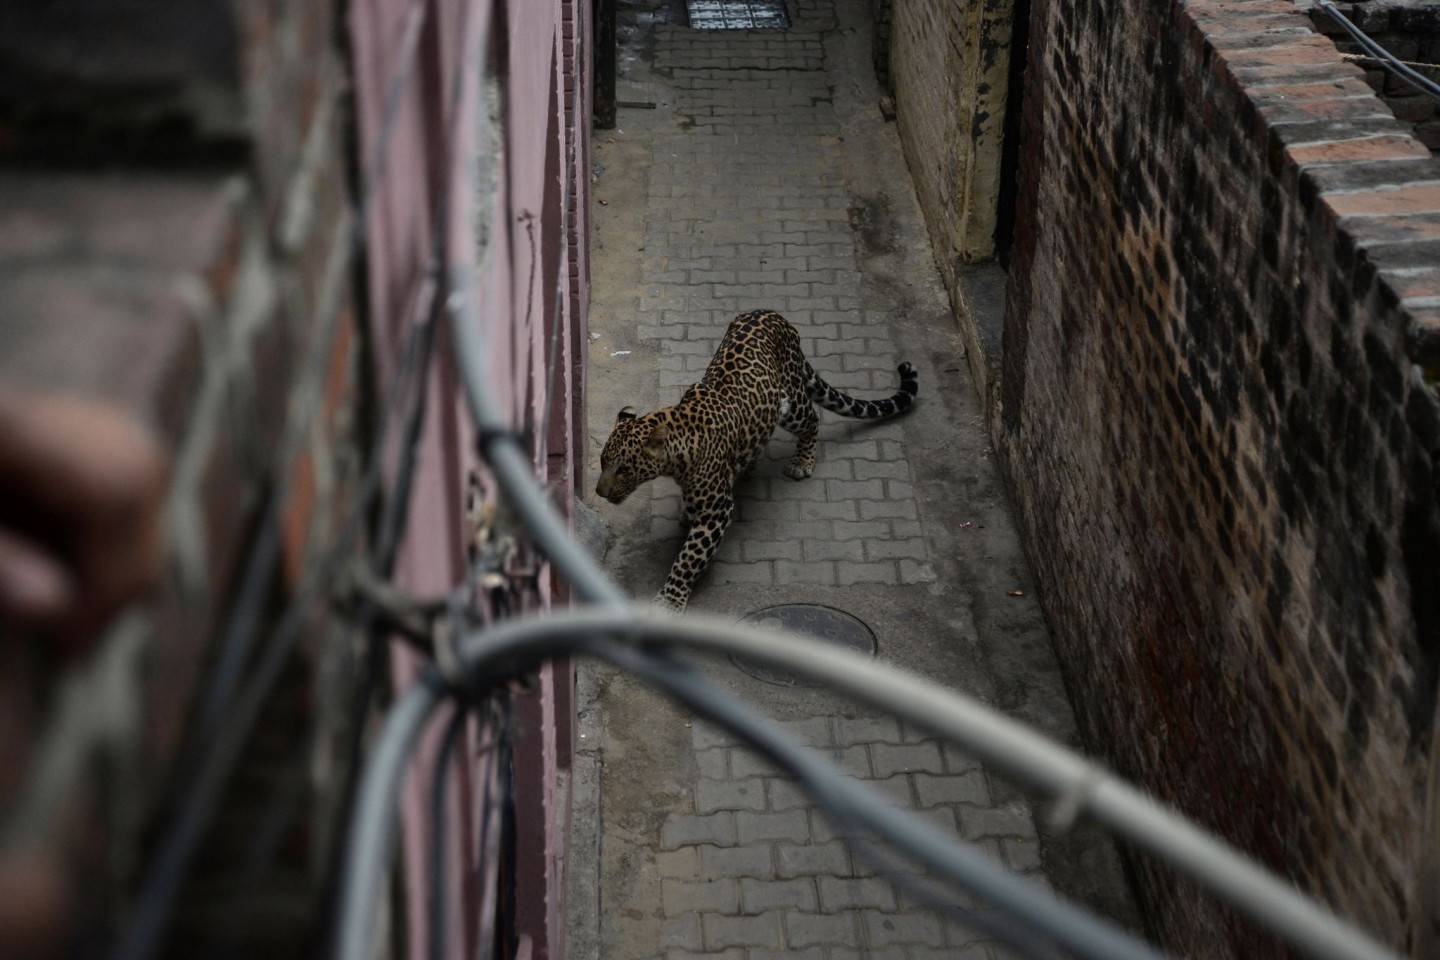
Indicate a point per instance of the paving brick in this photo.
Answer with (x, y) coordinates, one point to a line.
(853, 730)
(753, 572)
(758, 896)
(704, 736)
(812, 859)
(913, 571)
(681, 933)
(881, 509)
(770, 550)
(792, 825)
(957, 759)
(905, 528)
(741, 931)
(713, 764)
(853, 760)
(849, 572)
(850, 893)
(790, 953)
(788, 571)
(787, 795)
(681, 864)
(1022, 855)
(770, 510)
(746, 763)
(752, 861)
(863, 529)
(1011, 821)
(820, 509)
(681, 898)
(713, 795)
(900, 952)
(855, 489)
(882, 470)
(895, 550)
(883, 928)
(803, 929)
(895, 789)
(968, 787)
(834, 550)
(973, 950)
(899, 490)
(683, 829)
(811, 731)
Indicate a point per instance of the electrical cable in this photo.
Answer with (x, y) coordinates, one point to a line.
(236, 642)
(488, 844)
(518, 646)
(1391, 62)
(186, 827)
(515, 647)
(439, 819)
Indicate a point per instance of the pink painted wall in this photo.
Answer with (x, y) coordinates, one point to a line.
(542, 47)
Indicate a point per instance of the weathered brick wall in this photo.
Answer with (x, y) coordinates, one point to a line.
(191, 267)
(1224, 454)
(949, 64)
(1409, 29)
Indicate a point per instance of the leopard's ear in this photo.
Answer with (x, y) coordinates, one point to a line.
(626, 413)
(658, 436)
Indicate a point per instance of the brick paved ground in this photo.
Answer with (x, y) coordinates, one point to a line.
(757, 182)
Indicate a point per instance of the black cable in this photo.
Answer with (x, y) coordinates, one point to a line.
(492, 837)
(240, 631)
(1387, 59)
(439, 820)
(516, 648)
(244, 623)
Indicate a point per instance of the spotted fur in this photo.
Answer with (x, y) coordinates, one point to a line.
(757, 380)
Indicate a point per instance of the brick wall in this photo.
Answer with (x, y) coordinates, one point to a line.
(1409, 29)
(949, 65)
(191, 266)
(1222, 443)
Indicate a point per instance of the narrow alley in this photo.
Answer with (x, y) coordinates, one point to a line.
(754, 169)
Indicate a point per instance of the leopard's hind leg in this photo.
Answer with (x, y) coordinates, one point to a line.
(799, 417)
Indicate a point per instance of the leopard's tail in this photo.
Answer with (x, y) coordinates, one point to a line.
(837, 402)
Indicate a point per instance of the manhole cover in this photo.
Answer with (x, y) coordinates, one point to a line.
(810, 620)
(737, 14)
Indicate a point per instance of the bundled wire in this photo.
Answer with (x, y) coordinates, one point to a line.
(232, 706)
(517, 647)
(1387, 59)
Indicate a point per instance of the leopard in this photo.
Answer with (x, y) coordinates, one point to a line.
(757, 380)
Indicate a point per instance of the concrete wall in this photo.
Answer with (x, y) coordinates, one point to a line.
(1219, 432)
(949, 65)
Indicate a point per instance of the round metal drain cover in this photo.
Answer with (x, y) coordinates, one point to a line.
(811, 620)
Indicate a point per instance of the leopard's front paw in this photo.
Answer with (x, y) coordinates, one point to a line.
(798, 470)
(674, 606)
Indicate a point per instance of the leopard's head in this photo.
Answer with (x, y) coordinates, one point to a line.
(635, 452)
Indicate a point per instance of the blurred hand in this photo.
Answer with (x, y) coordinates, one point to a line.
(82, 492)
(34, 904)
